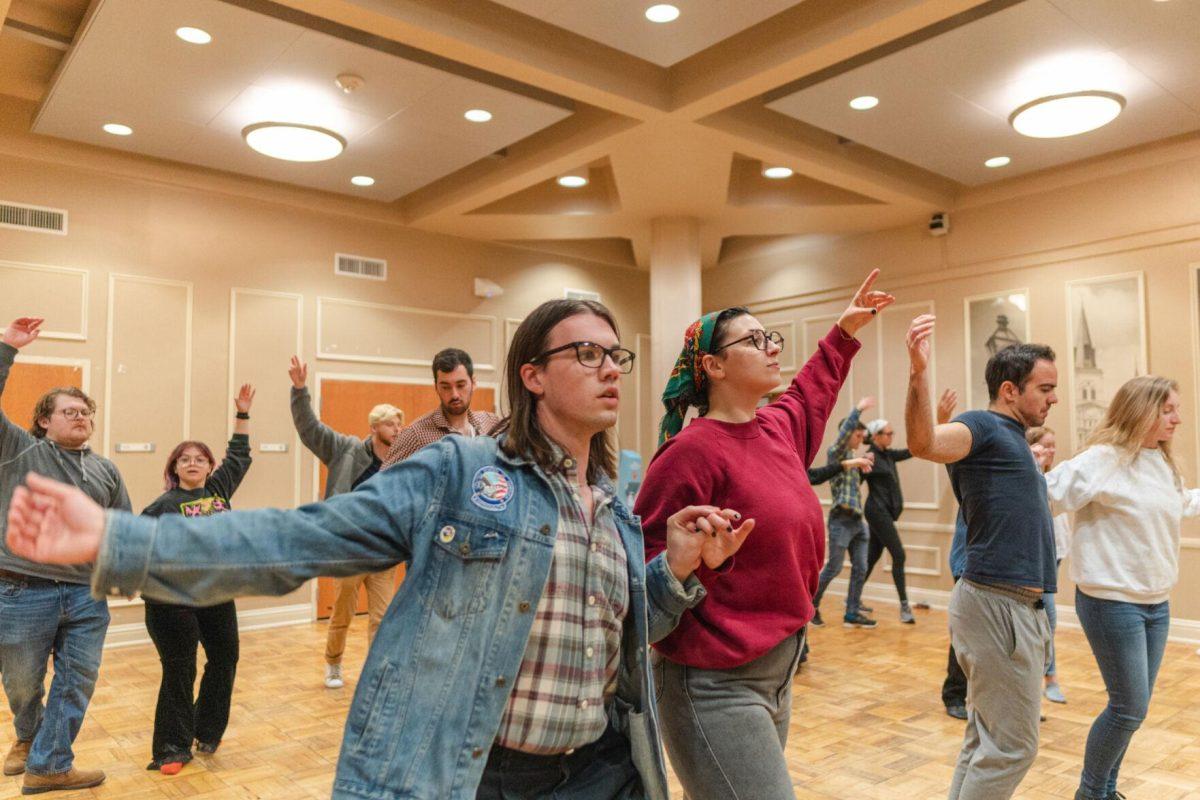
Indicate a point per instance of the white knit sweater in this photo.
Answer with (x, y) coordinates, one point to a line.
(1127, 514)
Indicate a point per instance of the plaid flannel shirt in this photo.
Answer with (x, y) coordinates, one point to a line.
(569, 670)
(432, 427)
(845, 484)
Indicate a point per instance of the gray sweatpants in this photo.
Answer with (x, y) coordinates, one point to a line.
(1003, 646)
(725, 729)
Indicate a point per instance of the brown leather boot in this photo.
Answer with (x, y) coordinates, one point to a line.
(14, 762)
(62, 781)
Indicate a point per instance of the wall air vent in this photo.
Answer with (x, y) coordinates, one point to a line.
(581, 294)
(360, 267)
(33, 218)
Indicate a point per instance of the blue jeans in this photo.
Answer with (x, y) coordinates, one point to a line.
(846, 532)
(39, 618)
(1128, 640)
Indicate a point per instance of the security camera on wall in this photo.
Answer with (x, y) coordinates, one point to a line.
(487, 289)
(939, 224)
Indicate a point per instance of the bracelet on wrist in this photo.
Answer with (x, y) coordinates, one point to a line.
(242, 415)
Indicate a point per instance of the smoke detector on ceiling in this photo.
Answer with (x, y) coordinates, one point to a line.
(349, 83)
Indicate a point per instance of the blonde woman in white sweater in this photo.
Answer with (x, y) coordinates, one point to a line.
(1128, 499)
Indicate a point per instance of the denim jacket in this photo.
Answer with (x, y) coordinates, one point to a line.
(478, 528)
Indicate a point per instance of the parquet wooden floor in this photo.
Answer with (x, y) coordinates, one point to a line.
(867, 725)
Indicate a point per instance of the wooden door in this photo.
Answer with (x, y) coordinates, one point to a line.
(345, 405)
(28, 382)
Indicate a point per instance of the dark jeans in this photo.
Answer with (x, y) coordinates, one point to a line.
(39, 618)
(885, 537)
(847, 533)
(602, 770)
(1128, 640)
(954, 688)
(178, 719)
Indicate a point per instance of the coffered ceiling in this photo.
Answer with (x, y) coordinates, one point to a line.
(666, 119)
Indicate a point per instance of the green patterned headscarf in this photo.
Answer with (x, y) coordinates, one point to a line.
(687, 378)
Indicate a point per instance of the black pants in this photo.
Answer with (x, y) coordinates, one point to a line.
(954, 688)
(885, 537)
(180, 718)
(602, 770)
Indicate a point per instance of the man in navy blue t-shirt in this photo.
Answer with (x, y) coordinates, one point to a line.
(998, 624)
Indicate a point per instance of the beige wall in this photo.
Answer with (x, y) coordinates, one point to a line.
(172, 264)
(1141, 213)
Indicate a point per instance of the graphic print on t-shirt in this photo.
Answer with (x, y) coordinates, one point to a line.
(204, 507)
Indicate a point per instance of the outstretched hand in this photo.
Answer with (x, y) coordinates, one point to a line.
(244, 399)
(298, 372)
(865, 306)
(918, 341)
(945, 406)
(22, 330)
(54, 523)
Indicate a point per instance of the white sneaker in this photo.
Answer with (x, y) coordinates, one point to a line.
(333, 676)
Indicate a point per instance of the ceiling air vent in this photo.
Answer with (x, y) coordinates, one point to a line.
(360, 267)
(581, 294)
(33, 218)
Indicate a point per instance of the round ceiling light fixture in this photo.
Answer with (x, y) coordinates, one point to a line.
(478, 115)
(663, 12)
(573, 180)
(864, 103)
(1061, 115)
(193, 35)
(291, 142)
(997, 161)
(117, 129)
(363, 180)
(777, 173)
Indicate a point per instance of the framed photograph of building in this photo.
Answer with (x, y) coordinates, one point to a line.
(991, 322)
(1106, 345)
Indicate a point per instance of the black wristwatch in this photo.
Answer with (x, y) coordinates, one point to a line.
(242, 415)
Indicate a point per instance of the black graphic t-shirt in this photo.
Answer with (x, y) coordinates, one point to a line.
(213, 497)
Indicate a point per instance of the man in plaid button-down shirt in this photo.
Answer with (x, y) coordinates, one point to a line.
(847, 529)
(454, 380)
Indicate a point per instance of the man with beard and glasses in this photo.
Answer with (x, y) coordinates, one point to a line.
(47, 610)
(454, 380)
(350, 461)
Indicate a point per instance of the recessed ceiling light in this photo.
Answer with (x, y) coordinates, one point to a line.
(864, 103)
(363, 180)
(777, 173)
(1066, 114)
(291, 142)
(117, 129)
(478, 115)
(193, 35)
(998, 161)
(572, 181)
(663, 12)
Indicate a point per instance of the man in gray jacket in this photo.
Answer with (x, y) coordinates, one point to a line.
(350, 461)
(44, 608)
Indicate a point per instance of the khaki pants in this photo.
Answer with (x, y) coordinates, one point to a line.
(380, 587)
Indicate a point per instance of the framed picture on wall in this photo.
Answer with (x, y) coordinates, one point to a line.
(991, 322)
(1106, 337)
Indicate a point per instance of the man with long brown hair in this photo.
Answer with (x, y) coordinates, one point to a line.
(46, 608)
(513, 661)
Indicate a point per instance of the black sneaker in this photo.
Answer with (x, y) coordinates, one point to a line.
(865, 609)
(958, 712)
(816, 621)
(858, 621)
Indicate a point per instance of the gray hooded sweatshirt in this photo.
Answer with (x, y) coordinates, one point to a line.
(22, 452)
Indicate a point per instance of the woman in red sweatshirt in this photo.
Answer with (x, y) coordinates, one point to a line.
(725, 674)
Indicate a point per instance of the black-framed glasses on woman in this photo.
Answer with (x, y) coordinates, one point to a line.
(758, 338)
(592, 355)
